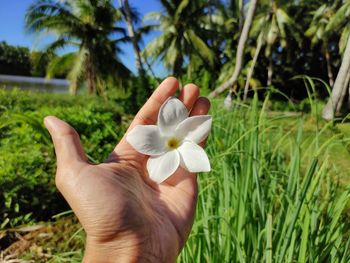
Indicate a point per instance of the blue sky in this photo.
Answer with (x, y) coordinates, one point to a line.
(12, 31)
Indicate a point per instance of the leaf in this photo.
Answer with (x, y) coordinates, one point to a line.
(182, 6)
(339, 18)
(311, 31)
(77, 70)
(200, 47)
(344, 39)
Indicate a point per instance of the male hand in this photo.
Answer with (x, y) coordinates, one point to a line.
(126, 216)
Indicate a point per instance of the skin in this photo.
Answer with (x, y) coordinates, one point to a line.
(126, 216)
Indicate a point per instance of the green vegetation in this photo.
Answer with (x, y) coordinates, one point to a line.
(183, 35)
(274, 193)
(14, 60)
(27, 158)
(278, 191)
(198, 40)
(86, 26)
(17, 60)
(272, 196)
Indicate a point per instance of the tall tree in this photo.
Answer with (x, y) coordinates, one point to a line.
(128, 17)
(341, 83)
(240, 51)
(241, 14)
(317, 33)
(276, 28)
(183, 34)
(252, 66)
(14, 60)
(131, 17)
(89, 28)
(340, 21)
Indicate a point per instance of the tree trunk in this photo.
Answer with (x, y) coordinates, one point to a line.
(240, 51)
(343, 94)
(151, 70)
(251, 69)
(270, 71)
(329, 68)
(334, 102)
(73, 86)
(131, 32)
(91, 77)
(349, 94)
(177, 70)
(241, 14)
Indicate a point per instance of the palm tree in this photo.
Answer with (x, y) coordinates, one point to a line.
(340, 22)
(318, 34)
(88, 27)
(130, 17)
(275, 27)
(252, 66)
(240, 52)
(183, 37)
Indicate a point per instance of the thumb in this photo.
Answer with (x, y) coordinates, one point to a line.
(68, 148)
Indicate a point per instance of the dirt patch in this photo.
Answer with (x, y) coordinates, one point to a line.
(42, 242)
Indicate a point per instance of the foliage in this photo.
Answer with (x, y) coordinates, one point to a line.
(14, 60)
(27, 158)
(18, 60)
(89, 27)
(40, 62)
(272, 195)
(299, 38)
(338, 22)
(184, 31)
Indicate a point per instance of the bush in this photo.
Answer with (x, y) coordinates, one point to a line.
(27, 159)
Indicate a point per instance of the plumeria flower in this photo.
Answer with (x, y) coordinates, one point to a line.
(173, 141)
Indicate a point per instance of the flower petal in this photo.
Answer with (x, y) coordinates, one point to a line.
(161, 167)
(195, 128)
(146, 139)
(193, 158)
(171, 113)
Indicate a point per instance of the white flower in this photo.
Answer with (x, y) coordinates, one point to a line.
(173, 141)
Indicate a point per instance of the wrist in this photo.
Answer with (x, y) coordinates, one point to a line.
(124, 251)
(109, 252)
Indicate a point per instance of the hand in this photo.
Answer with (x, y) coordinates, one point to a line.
(126, 216)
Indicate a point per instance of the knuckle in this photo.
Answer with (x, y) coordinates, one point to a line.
(145, 120)
(61, 177)
(68, 133)
(59, 181)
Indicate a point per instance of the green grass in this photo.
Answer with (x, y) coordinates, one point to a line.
(272, 195)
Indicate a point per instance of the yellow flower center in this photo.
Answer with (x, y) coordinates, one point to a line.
(172, 143)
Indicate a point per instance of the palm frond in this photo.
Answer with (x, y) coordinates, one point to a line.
(50, 14)
(339, 18)
(201, 47)
(60, 64)
(78, 69)
(182, 6)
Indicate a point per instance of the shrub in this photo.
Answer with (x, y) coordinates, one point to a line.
(27, 159)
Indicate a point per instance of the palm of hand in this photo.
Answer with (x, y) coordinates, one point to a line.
(118, 206)
(114, 200)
